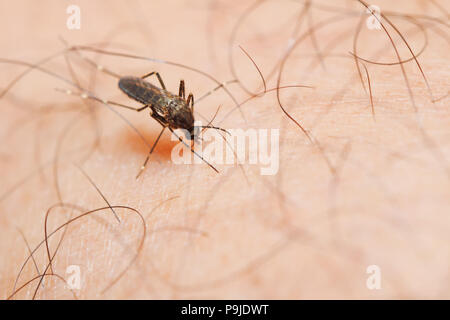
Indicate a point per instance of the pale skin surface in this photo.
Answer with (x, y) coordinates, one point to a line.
(305, 232)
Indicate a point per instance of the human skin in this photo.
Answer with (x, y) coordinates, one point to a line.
(367, 190)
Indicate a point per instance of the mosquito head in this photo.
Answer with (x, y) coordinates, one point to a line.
(193, 133)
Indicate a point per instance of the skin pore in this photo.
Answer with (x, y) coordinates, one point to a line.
(370, 186)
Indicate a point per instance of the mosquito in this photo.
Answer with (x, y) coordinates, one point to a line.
(171, 111)
(168, 109)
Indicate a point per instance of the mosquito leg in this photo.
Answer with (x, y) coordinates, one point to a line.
(128, 107)
(222, 85)
(190, 101)
(87, 96)
(91, 62)
(151, 151)
(193, 151)
(158, 76)
(181, 92)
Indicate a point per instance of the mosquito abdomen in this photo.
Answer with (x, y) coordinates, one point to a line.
(140, 90)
